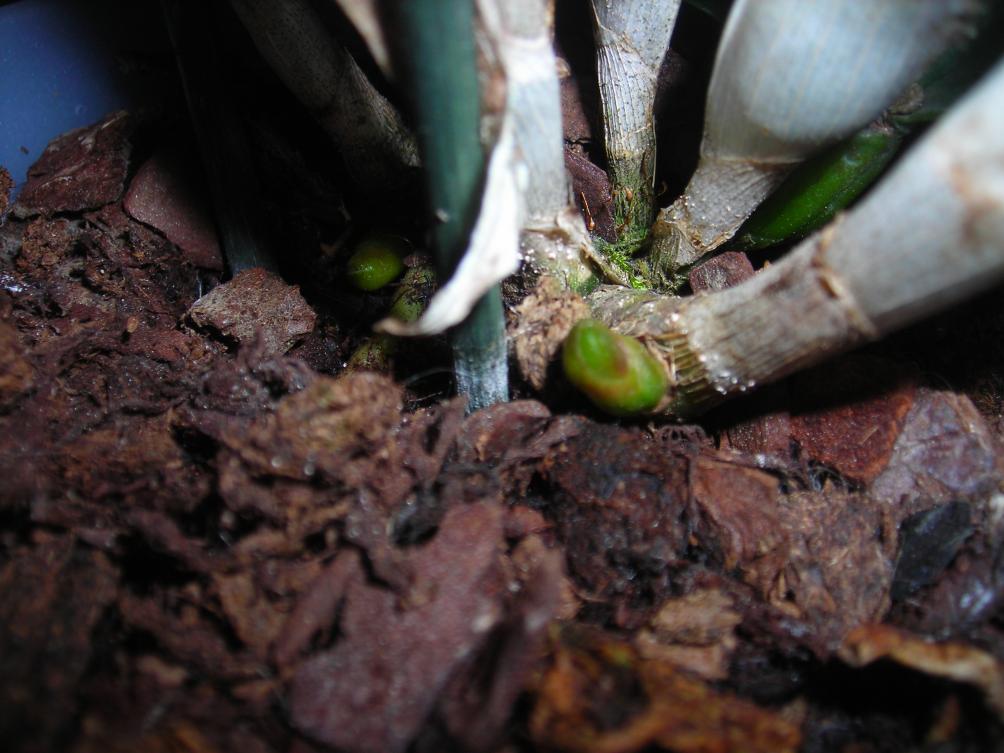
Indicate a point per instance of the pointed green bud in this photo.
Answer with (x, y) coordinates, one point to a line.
(615, 372)
(377, 260)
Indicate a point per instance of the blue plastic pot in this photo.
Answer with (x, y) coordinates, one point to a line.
(66, 63)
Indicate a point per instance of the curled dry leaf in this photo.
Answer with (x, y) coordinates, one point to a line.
(695, 632)
(953, 661)
(599, 696)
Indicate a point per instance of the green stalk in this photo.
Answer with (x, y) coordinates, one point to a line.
(436, 46)
(814, 193)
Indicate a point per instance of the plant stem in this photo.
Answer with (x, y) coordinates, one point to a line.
(436, 44)
(377, 148)
(554, 234)
(929, 235)
(790, 78)
(819, 188)
(632, 37)
(226, 155)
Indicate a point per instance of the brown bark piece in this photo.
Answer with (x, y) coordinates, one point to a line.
(316, 609)
(953, 661)
(522, 521)
(6, 186)
(477, 704)
(174, 736)
(134, 459)
(529, 557)
(740, 520)
(839, 571)
(255, 302)
(768, 434)
(256, 620)
(927, 543)
(622, 510)
(52, 597)
(965, 594)
(121, 265)
(82, 169)
(165, 194)
(945, 451)
(429, 435)
(284, 579)
(150, 713)
(695, 632)
(16, 374)
(323, 429)
(374, 690)
(162, 535)
(591, 188)
(511, 438)
(46, 243)
(188, 637)
(577, 113)
(489, 434)
(721, 271)
(864, 403)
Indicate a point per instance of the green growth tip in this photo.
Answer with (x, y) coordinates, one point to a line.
(615, 372)
(378, 260)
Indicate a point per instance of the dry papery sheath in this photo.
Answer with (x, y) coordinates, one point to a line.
(929, 235)
(518, 34)
(790, 77)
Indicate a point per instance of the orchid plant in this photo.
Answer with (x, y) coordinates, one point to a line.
(791, 78)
